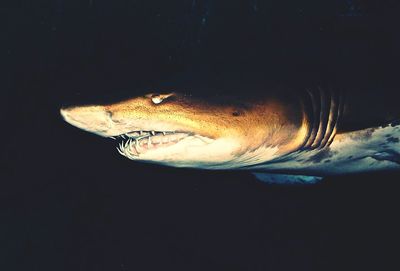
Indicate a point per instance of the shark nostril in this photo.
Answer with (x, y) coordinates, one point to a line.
(109, 114)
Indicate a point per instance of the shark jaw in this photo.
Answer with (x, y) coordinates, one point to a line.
(178, 149)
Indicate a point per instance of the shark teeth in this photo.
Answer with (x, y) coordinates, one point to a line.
(141, 133)
(133, 143)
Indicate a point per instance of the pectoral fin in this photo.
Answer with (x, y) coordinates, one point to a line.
(286, 179)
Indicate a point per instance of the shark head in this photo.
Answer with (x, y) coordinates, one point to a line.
(183, 131)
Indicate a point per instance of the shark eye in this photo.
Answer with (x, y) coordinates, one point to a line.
(156, 99)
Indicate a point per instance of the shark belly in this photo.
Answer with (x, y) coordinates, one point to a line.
(370, 149)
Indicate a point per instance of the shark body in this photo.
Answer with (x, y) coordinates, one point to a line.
(281, 136)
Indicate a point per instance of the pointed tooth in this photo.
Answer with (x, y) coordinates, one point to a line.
(137, 146)
(153, 133)
(126, 151)
(136, 149)
(120, 152)
(148, 142)
(164, 133)
(130, 155)
(112, 137)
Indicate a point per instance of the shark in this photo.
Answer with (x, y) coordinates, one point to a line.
(284, 137)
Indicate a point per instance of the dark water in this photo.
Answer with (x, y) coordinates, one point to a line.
(68, 201)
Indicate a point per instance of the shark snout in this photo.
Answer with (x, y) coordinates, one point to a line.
(95, 119)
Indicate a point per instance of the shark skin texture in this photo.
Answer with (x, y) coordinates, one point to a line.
(283, 137)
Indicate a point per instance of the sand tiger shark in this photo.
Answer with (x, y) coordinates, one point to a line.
(280, 136)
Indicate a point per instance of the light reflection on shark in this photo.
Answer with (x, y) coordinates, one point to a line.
(282, 137)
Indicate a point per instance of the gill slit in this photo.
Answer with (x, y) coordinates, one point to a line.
(323, 110)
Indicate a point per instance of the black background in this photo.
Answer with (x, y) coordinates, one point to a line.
(69, 201)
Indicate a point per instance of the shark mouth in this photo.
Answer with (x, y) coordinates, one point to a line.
(135, 143)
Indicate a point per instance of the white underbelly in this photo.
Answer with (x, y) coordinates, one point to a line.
(358, 151)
